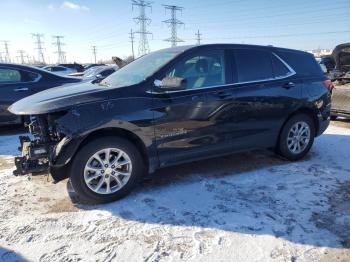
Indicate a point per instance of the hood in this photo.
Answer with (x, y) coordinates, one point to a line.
(59, 98)
(341, 55)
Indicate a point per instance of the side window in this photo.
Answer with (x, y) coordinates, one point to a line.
(279, 69)
(57, 69)
(9, 75)
(203, 69)
(28, 76)
(253, 65)
(16, 76)
(107, 72)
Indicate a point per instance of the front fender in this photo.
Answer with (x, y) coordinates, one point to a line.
(80, 122)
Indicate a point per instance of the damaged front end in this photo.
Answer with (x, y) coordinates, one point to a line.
(37, 150)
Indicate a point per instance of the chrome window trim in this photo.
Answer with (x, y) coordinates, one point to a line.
(291, 73)
(14, 83)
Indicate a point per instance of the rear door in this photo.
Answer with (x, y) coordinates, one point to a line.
(15, 84)
(264, 92)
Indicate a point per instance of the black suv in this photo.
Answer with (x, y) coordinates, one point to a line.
(173, 106)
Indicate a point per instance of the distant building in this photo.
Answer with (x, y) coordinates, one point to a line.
(320, 52)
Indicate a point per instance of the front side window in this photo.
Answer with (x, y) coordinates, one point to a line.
(203, 69)
(9, 75)
(253, 65)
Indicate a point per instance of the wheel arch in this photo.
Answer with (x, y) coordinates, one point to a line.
(117, 132)
(63, 160)
(311, 112)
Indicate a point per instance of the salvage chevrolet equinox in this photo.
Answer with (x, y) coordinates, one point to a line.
(173, 106)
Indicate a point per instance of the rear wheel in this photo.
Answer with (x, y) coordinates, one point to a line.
(106, 169)
(333, 117)
(297, 137)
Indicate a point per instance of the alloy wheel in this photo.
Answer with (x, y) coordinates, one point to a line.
(298, 137)
(107, 171)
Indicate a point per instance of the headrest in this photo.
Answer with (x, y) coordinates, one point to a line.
(202, 66)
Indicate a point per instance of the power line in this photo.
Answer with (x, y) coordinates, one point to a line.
(173, 23)
(61, 58)
(7, 58)
(143, 21)
(39, 47)
(132, 39)
(21, 56)
(94, 51)
(198, 37)
(282, 35)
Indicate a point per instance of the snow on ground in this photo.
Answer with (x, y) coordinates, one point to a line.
(245, 207)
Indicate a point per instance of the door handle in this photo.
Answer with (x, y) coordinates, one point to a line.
(288, 85)
(21, 89)
(223, 94)
(196, 98)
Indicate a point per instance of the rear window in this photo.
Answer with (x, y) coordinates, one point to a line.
(8, 75)
(279, 68)
(304, 64)
(253, 65)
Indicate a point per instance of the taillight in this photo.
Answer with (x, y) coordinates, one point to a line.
(328, 83)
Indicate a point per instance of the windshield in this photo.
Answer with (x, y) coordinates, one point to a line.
(139, 70)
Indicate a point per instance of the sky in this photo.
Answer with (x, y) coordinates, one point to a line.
(106, 24)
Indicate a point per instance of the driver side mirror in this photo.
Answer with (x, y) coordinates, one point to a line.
(171, 84)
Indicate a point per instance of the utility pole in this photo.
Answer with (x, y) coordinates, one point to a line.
(132, 39)
(28, 59)
(21, 56)
(7, 58)
(198, 37)
(39, 47)
(94, 51)
(143, 21)
(58, 43)
(173, 23)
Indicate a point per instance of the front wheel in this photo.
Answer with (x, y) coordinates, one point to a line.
(106, 169)
(297, 137)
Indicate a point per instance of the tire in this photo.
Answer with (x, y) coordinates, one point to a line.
(85, 166)
(334, 117)
(287, 142)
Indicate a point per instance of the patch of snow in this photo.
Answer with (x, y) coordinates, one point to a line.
(245, 207)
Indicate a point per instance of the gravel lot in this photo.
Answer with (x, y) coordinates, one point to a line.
(245, 207)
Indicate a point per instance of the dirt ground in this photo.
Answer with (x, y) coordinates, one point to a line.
(245, 207)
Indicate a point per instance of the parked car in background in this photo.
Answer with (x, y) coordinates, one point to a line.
(173, 106)
(19, 81)
(328, 62)
(75, 66)
(59, 70)
(340, 77)
(97, 73)
(88, 66)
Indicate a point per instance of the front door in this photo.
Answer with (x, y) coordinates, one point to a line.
(183, 126)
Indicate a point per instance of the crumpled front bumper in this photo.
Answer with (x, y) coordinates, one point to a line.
(33, 159)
